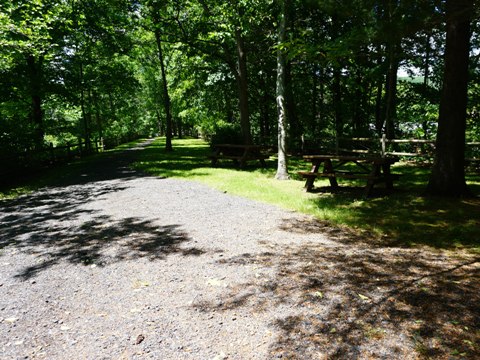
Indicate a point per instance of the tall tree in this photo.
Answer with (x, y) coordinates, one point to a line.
(392, 57)
(448, 173)
(156, 23)
(282, 169)
(30, 32)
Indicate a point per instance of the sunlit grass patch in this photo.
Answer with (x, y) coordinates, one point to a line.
(402, 218)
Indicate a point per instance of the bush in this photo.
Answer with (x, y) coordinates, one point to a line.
(222, 133)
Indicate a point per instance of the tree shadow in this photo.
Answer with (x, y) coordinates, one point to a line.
(104, 241)
(185, 158)
(355, 301)
(189, 157)
(403, 216)
(408, 219)
(54, 224)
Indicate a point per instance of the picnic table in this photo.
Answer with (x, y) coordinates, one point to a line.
(374, 170)
(240, 154)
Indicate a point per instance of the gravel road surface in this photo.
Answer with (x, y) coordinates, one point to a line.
(110, 263)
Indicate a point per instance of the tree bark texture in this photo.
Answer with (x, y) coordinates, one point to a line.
(391, 91)
(35, 74)
(448, 173)
(242, 82)
(378, 97)
(282, 166)
(337, 102)
(86, 132)
(294, 125)
(264, 109)
(166, 96)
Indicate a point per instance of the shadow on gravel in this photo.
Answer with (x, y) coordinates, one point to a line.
(105, 166)
(103, 242)
(52, 224)
(41, 224)
(359, 302)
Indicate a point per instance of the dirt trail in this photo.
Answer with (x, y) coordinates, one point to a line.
(112, 264)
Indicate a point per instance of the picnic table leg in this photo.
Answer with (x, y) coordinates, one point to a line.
(309, 183)
(310, 180)
(328, 169)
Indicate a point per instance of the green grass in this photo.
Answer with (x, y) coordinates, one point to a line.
(402, 218)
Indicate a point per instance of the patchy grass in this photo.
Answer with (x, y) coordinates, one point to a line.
(402, 218)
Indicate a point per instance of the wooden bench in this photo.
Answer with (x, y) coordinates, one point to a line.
(240, 154)
(338, 174)
(373, 169)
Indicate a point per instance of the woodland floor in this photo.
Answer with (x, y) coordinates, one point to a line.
(110, 263)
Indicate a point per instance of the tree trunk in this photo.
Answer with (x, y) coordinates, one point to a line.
(86, 132)
(98, 117)
(161, 130)
(282, 166)
(88, 143)
(426, 65)
(166, 96)
(179, 127)
(337, 103)
(321, 105)
(264, 108)
(378, 96)
(391, 91)
(378, 108)
(242, 83)
(426, 73)
(295, 127)
(35, 74)
(314, 99)
(359, 123)
(448, 173)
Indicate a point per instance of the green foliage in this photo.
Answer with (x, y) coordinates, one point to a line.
(81, 74)
(96, 73)
(403, 218)
(418, 108)
(220, 132)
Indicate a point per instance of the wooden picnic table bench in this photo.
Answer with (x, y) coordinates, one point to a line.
(240, 154)
(374, 170)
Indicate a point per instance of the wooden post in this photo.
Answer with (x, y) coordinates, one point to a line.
(384, 144)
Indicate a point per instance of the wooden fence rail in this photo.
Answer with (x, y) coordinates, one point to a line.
(51, 155)
(423, 148)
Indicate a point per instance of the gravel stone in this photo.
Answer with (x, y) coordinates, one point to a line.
(109, 263)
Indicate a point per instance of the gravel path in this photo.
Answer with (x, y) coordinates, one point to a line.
(113, 264)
